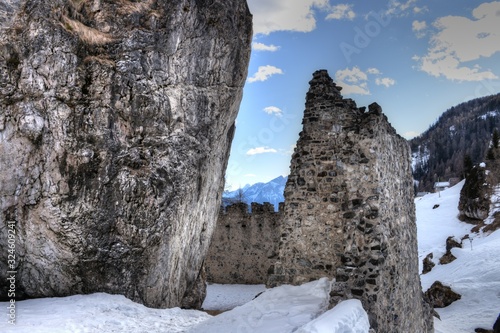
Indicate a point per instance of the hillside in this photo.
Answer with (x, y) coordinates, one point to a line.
(464, 130)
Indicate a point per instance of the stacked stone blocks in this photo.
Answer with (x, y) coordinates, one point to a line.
(349, 211)
(244, 244)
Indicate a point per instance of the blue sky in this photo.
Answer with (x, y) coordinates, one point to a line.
(416, 58)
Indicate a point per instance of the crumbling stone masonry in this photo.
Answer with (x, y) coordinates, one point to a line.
(349, 212)
(244, 245)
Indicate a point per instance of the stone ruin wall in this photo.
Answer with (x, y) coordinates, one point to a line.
(244, 245)
(349, 212)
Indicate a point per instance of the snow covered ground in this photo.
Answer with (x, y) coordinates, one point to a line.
(96, 313)
(494, 206)
(228, 296)
(282, 309)
(434, 225)
(475, 275)
(347, 317)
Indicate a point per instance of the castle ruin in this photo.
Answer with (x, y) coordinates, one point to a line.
(349, 212)
(244, 245)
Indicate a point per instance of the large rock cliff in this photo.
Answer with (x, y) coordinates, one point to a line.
(116, 118)
(349, 212)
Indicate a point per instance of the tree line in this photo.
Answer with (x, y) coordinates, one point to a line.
(461, 136)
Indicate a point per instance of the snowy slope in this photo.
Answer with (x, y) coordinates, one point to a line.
(347, 317)
(435, 225)
(419, 158)
(475, 274)
(282, 309)
(224, 297)
(278, 310)
(96, 313)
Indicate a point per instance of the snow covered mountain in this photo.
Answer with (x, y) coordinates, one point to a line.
(463, 130)
(260, 192)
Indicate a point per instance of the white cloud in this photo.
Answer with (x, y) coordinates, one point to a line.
(264, 73)
(411, 134)
(349, 89)
(291, 149)
(261, 150)
(341, 11)
(263, 47)
(385, 81)
(373, 71)
(419, 28)
(420, 10)
(353, 75)
(353, 81)
(273, 110)
(397, 8)
(460, 40)
(281, 15)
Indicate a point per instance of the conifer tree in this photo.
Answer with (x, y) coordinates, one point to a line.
(490, 155)
(468, 165)
(496, 138)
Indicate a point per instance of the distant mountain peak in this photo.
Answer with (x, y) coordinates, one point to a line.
(271, 192)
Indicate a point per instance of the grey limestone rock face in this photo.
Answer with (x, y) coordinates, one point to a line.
(116, 119)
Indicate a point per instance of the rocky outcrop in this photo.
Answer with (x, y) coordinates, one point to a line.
(474, 201)
(440, 296)
(448, 257)
(349, 211)
(244, 245)
(428, 264)
(116, 119)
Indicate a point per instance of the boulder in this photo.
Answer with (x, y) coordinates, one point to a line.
(440, 296)
(448, 257)
(428, 264)
(116, 119)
